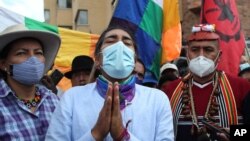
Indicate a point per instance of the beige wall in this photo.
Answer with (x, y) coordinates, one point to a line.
(64, 17)
(51, 5)
(99, 14)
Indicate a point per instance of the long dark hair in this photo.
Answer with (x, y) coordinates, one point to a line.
(3, 55)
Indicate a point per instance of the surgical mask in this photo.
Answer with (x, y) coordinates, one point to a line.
(28, 72)
(118, 60)
(201, 66)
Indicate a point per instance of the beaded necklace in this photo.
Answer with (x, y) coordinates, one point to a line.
(33, 102)
(188, 101)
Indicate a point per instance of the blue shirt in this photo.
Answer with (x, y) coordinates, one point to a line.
(78, 111)
(17, 122)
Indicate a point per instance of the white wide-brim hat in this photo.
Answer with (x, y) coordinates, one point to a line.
(49, 40)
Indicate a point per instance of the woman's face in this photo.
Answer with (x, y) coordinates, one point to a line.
(23, 49)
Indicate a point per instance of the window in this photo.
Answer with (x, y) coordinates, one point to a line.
(47, 15)
(64, 3)
(82, 17)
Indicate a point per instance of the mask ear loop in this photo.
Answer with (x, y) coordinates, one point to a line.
(216, 60)
(10, 71)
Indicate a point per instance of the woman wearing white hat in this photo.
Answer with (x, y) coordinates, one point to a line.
(25, 106)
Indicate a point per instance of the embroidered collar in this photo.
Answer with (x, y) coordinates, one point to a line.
(126, 89)
(201, 85)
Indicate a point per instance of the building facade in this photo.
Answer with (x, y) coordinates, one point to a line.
(90, 16)
(93, 16)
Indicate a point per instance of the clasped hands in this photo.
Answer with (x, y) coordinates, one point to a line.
(110, 119)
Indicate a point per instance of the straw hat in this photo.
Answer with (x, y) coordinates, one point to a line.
(50, 41)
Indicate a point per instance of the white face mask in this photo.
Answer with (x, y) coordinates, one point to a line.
(201, 66)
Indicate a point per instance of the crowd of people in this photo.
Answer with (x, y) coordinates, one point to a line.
(109, 99)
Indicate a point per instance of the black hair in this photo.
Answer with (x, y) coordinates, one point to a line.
(5, 52)
(101, 38)
(3, 55)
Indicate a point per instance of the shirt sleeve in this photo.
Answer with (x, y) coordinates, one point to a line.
(164, 131)
(61, 121)
(60, 128)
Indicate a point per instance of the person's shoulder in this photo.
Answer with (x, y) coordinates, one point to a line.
(149, 92)
(78, 90)
(169, 89)
(239, 85)
(146, 89)
(48, 96)
(236, 79)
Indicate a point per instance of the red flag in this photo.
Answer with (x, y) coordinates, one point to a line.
(224, 14)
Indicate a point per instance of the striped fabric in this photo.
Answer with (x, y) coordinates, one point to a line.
(74, 43)
(227, 111)
(156, 25)
(230, 104)
(17, 122)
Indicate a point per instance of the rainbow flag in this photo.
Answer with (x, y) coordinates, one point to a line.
(30, 8)
(74, 43)
(156, 26)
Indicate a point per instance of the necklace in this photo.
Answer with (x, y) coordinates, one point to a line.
(33, 102)
(189, 106)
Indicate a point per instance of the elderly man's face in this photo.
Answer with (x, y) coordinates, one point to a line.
(208, 49)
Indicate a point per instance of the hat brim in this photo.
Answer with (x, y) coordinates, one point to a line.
(199, 36)
(69, 73)
(50, 42)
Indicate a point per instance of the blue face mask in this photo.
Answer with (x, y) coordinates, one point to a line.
(118, 60)
(28, 72)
